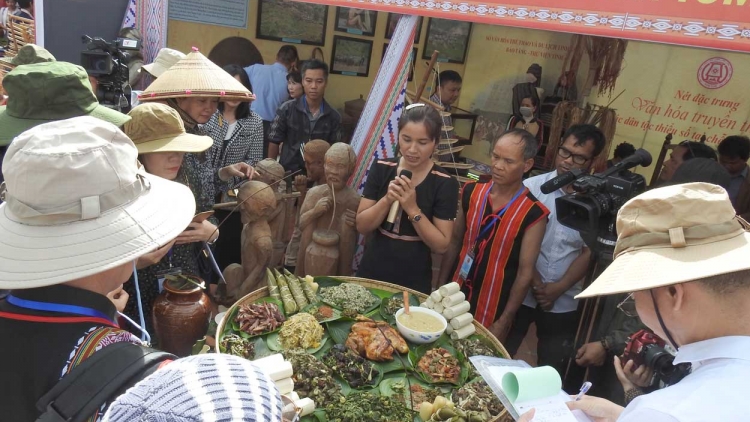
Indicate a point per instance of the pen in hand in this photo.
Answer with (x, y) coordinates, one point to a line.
(584, 389)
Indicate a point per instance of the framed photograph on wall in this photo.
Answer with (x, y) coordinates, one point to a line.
(292, 22)
(390, 26)
(450, 38)
(351, 56)
(413, 60)
(356, 21)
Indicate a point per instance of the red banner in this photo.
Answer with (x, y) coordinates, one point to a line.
(718, 24)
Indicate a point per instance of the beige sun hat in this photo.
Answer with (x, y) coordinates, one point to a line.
(156, 127)
(165, 58)
(196, 76)
(673, 235)
(77, 204)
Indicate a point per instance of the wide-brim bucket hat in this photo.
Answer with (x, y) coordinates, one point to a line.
(196, 76)
(674, 235)
(165, 59)
(77, 204)
(49, 91)
(156, 127)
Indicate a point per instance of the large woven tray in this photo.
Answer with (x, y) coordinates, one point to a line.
(372, 284)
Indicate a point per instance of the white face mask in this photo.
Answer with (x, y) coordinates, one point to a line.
(527, 112)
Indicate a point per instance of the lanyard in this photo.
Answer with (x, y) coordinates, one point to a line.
(494, 217)
(57, 307)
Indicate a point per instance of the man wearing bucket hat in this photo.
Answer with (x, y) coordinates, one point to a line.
(682, 254)
(78, 212)
(165, 59)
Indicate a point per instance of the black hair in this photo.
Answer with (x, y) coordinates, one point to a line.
(294, 76)
(314, 64)
(736, 146)
(449, 76)
(697, 150)
(534, 100)
(287, 55)
(728, 283)
(530, 146)
(426, 115)
(624, 150)
(243, 110)
(585, 133)
(23, 4)
(703, 170)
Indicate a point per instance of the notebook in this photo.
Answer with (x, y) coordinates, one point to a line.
(521, 388)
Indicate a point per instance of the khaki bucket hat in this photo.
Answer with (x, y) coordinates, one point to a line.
(45, 92)
(77, 204)
(196, 76)
(156, 127)
(673, 235)
(165, 59)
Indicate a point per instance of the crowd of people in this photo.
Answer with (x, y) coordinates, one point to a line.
(99, 207)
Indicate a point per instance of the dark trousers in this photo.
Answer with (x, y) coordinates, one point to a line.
(266, 130)
(555, 333)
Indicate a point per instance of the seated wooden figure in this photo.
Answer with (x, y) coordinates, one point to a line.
(257, 242)
(328, 217)
(269, 172)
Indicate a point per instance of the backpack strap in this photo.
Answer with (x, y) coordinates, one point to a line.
(97, 380)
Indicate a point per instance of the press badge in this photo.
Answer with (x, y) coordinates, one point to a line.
(463, 273)
(162, 275)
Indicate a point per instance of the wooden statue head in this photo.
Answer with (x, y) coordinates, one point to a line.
(260, 206)
(314, 155)
(339, 165)
(269, 171)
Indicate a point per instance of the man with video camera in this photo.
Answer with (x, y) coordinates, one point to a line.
(682, 255)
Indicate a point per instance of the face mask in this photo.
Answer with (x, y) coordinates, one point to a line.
(531, 78)
(527, 112)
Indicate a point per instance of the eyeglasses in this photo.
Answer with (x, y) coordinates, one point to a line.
(627, 306)
(290, 411)
(578, 159)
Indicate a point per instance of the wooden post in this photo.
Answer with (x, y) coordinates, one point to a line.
(426, 76)
(660, 161)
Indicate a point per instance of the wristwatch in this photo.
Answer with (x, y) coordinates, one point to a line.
(415, 218)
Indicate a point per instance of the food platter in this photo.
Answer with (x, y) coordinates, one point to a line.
(352, 374)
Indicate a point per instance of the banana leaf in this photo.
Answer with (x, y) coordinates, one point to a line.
(312, 309)
(272, 341)
(391, 318)
(236, 326)
(415, 354)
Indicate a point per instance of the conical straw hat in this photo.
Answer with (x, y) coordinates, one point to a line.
(196, 76)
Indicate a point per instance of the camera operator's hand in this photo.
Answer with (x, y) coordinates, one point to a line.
(598, 409)
(547, 293)
(642, 376)
(591, 354)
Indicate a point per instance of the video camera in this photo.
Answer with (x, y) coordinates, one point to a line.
(646, 348)
(108, 62)
(592, 209)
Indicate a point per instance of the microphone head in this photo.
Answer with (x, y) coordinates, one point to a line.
(408, 174)
(644, 157)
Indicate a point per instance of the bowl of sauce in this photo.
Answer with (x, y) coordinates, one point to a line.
(421, 326)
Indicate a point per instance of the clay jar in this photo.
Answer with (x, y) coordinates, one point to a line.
(322, 257)
(181, 317)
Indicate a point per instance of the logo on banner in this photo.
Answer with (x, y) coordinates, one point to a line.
(714, 73)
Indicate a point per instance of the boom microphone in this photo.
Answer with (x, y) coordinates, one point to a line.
(560, 181)
(395, 207)
(640, 158)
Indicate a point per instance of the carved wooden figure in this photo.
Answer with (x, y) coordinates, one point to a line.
(269, 172)
(257, 241)
(328, 218)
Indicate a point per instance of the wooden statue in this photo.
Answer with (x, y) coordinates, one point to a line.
(269, 172)
(257, 241)
(315, 153)
(328, 218)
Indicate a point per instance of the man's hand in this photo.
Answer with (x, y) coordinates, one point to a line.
(322, 206)
(547, 294)
(300, 183)
(154, 257)
(501, 327)
(598, 409)
(197, 232)
(119, 297)
(350, 218)
(242, 170)
(591, 354)
(641, 377)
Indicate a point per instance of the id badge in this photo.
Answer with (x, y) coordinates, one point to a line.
(161, 276)
(463, 273)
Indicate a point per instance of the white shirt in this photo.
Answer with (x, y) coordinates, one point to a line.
(560, 247)
(716, 390)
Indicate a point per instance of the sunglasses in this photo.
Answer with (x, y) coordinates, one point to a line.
(627, 306)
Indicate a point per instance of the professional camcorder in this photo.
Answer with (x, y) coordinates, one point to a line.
(592, 209)
(646, 348)
(108, 62)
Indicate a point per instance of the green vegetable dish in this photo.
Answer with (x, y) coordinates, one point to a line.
(348, 357)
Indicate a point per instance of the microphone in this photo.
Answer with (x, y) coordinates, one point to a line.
(395, 207)
(560, 181)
